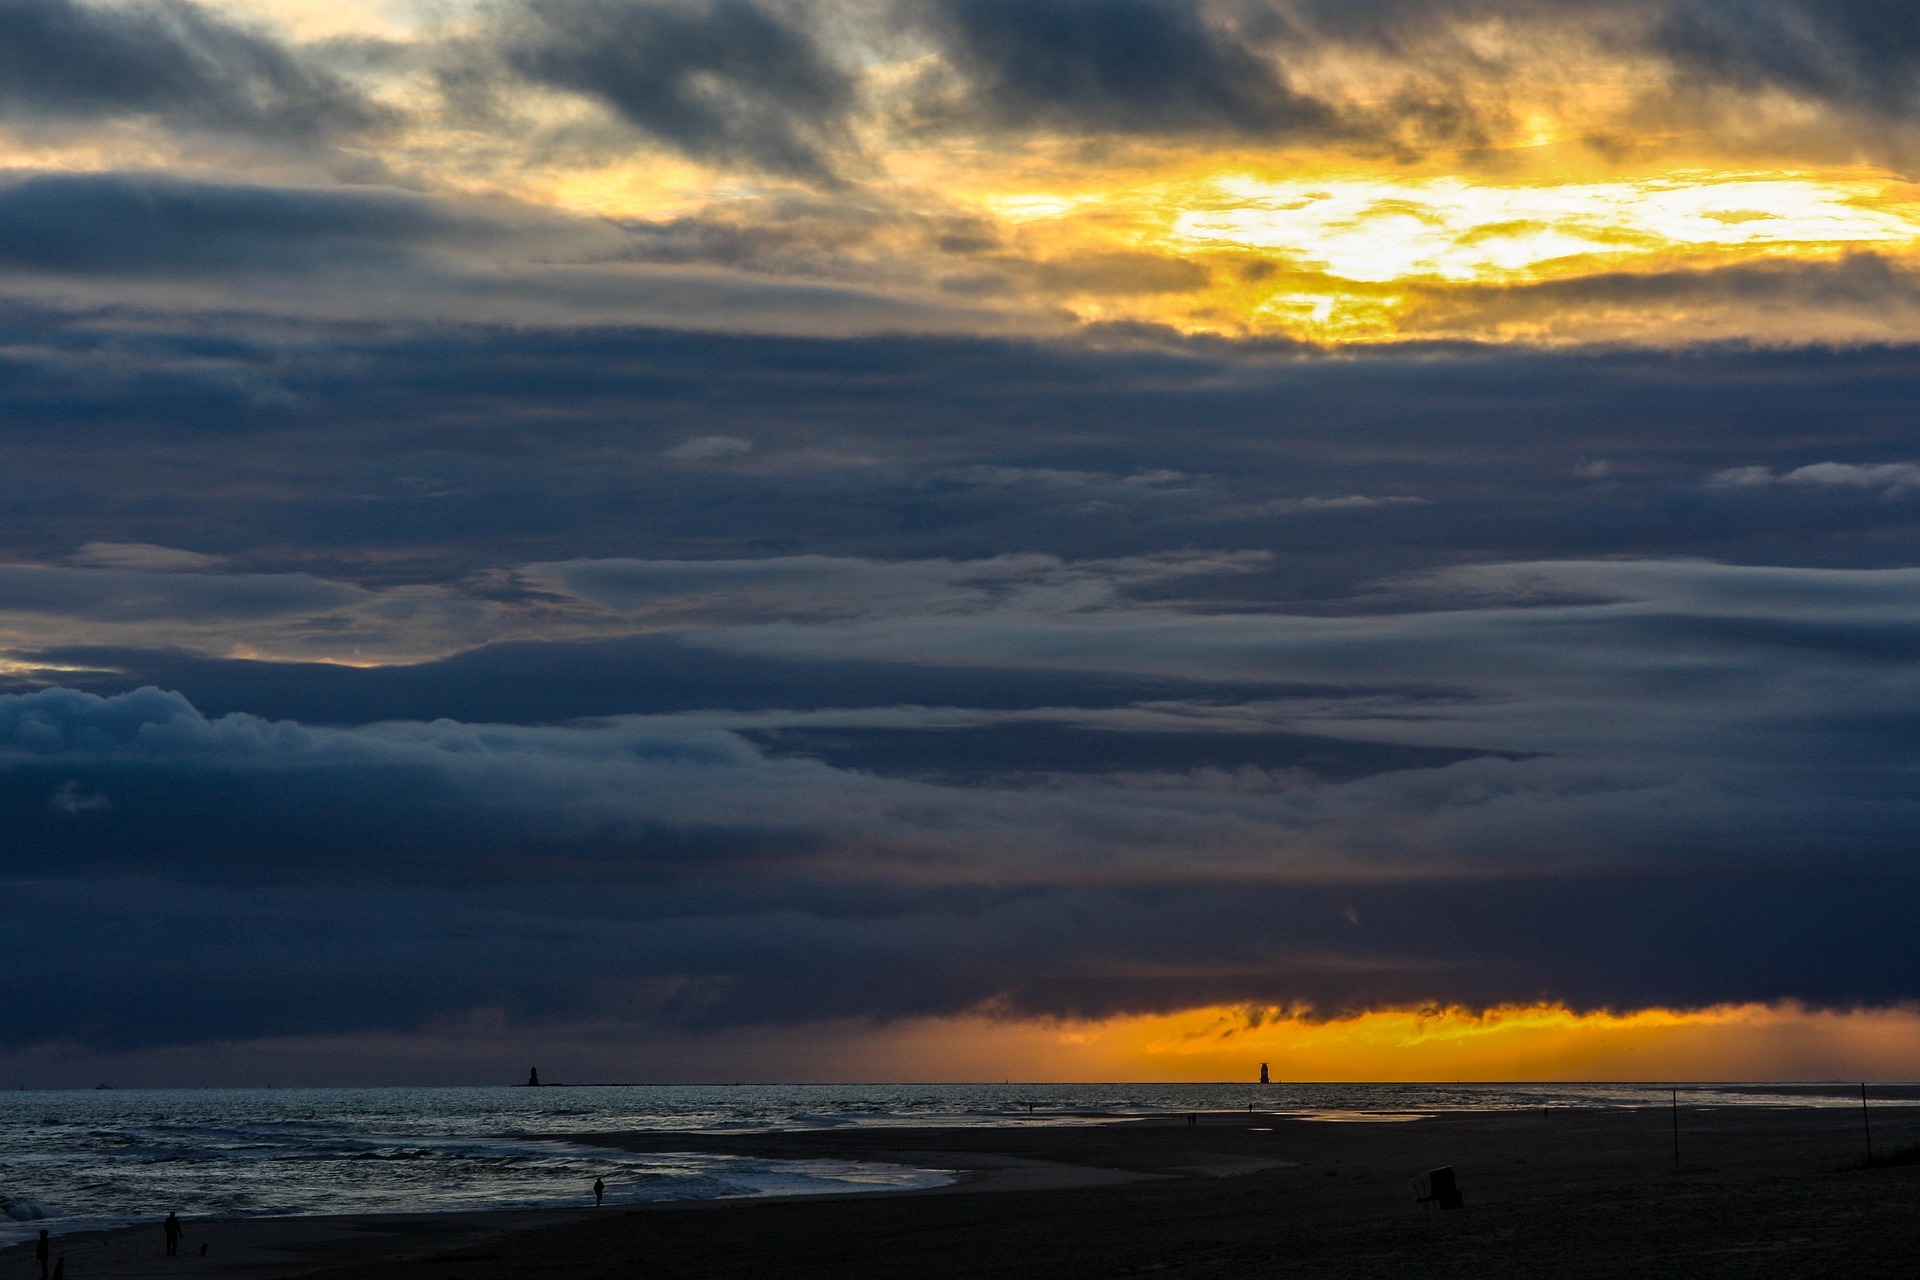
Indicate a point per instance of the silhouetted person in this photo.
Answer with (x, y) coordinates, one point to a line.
(40, 1252)
(172, 1227)
(599, 1192)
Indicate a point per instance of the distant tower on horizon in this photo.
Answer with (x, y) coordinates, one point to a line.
(533, 1076)
(1263, 1074)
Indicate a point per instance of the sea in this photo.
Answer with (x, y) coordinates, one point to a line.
(81, 1160)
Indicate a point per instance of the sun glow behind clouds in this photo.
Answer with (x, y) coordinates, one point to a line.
(1521, 1042)
(1376, 230)
(935, 205)
(1360, 257)
(1519, 174)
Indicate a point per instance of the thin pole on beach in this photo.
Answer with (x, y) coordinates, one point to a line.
(1676, 1128)
(1866, 1124)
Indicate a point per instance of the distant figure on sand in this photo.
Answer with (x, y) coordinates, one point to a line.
(172, 1227)
(599, 1192)
(40, 1252)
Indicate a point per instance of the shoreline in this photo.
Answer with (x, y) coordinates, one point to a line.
(1548, 1193)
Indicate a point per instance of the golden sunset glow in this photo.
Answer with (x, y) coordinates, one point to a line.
(1360, 258)
(1516, 1042)
(1449, 230)
(1337, 256)
(1582, 194)
(1299, 247)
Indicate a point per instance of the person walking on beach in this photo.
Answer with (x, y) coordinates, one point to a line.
(40, 1252)
(172, 1227)
(599, 1192)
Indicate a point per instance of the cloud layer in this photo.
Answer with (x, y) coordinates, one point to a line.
(1479, 796)
(976, 166)
(189, 64)
(734, 518)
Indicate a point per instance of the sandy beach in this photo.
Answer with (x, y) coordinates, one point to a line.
(1756, 1192)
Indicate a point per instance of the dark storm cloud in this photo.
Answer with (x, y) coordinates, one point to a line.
(327, 960)
(1182, 67)
(195, 794)
(738, 81)
(727, 80)
(780, 88)
(1150, 66)
(1675, 753)
(299, 251)
(381, 254)
(167, 59)
(154, 224)
(543, 683)
(155, 597)
(1014, 752)
(1501, 726)
(255, 441)
(1863, 54)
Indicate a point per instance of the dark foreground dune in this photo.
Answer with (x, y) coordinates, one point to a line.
(1758, 1192)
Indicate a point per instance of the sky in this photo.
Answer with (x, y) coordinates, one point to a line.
(685, 540)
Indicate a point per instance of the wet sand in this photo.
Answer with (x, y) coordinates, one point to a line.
(1758, 1192)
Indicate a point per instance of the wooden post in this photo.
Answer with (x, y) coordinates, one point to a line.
(1866, 1124)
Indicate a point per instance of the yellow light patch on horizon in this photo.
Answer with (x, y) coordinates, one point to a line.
(328, 19)
(251, 653)
(1447, 229)
(1521, 1042)
(104, 151)
(31, 670)
(663, 187)
(1357, 257)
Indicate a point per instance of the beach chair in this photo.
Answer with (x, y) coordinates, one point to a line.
(1436, 1189)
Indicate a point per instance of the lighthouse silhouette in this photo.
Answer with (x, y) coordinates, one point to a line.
(1263, 1074)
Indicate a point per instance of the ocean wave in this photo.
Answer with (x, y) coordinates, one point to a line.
(131, 1155)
